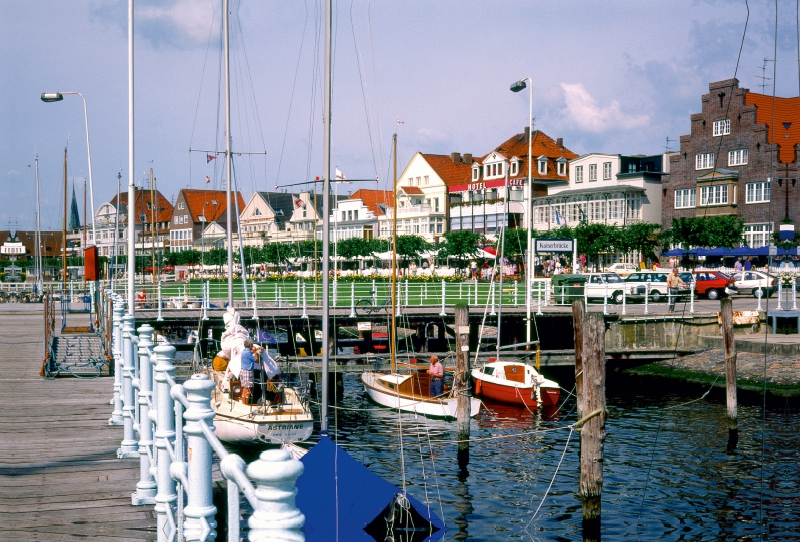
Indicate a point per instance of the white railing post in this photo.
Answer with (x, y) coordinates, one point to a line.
(206, 301)
(491, 295)
(374, 293)
(444, 290)
(164, 442)
(335, 289)
(406, 303)
(547, 286)
(160, 318)
(116, 350)
(199, 509)
(605, 298)
(129, 446)
(352, 300)
(691, 297)
(586, 296)
(146, 488)
(255, 302)
(646, 298)
(460, 290)
(276, 517)
(305, 311)
(539, 298)
(794, 296)
(280, 295)
(298, 291)
(763, 293)
(780, 295)
(516, 292)
(424, 296)
(476, 292)
(624, 295)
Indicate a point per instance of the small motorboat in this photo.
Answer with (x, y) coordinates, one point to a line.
(515, 383)
(410, 393)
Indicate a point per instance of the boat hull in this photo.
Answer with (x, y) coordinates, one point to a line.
(515, 384)
(445, 407)
(235, 430)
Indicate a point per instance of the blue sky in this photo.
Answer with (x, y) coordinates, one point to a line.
(609, 76)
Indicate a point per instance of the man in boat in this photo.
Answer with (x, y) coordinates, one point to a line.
(249, 364)
(436, 372)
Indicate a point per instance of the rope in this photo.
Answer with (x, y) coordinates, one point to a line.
(571, 429)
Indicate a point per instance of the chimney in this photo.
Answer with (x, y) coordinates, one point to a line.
(527, 133)
(467, 158)
(560, 142)
(456, 156)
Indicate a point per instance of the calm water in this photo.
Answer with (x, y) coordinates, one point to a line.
(668, 472)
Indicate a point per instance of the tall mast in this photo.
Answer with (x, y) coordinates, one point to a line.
(152, 223)
(393, 331)
(64, 231)
(85, 233)
(131, 188)
(326, 240)
(38, 258)
(225, 23)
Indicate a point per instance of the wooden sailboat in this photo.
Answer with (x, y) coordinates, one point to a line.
(409, 392)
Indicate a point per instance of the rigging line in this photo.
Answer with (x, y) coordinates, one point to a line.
(683, 312)
(291, 98)
(203, 74)
(375, 84)
(362, 80)
(571, 429)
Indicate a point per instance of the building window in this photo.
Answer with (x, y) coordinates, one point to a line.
(476, 173)
(355, 214)
(542, 166)
(435, 205)
(592, 172)
(562, 167)
(513, 168)
(606, 171)
(685, 198)
(633, 206)
(578, 174)
(500, 168)
(704, 160)
(714, 195)
(737, 157)
(180, 205)
(418, 183)
(757, 235)
(427, 179)
(757, 192)
(722, 127)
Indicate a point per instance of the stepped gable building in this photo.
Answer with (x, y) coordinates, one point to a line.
(725, 164)
(194, 210)
(479, 204)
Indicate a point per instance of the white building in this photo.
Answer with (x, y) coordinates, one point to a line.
(358, 215)
(266, 214)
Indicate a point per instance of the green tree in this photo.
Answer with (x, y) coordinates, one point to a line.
(642, 237)
(352, 248)
(278, 253)
(460, 245)
(516, 242)
(411, 246)
(706, 231)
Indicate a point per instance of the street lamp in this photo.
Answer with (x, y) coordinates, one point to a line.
(57, 97)
(516, 87)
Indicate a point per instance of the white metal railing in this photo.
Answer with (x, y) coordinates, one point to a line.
(176, 443)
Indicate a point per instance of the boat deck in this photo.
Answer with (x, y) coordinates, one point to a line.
(60, 478)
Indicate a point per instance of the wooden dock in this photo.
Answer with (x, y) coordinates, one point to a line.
(60, 478)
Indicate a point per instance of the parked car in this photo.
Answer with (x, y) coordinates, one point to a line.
(757, 283)
(711, 284)
(621, 269)
(600, 285)
(654, 281)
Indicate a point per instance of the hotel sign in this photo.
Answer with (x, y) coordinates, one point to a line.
(483, 185)
(553, 245)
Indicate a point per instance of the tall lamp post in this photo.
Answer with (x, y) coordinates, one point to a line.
(57, 97)
(516, 87)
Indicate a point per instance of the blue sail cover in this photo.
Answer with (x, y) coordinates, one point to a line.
(358, 497)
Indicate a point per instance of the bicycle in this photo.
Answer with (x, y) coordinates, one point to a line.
(368, 307)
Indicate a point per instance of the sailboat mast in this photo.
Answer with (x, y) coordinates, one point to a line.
(38, 259)
(502, 258)
(326, 202)
(393, 330)
(226, 42)
(131, 188)
(64, 232)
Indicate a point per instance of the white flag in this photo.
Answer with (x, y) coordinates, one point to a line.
(340, 176)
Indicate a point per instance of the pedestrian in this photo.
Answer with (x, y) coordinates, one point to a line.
(674, 282)
(738, 265)
(249, 364)
(485, 271)
(748, 264)
(436, 372)
(473, 265)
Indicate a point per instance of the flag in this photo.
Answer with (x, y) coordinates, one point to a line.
(299, 203)
(340, 176)
(400, 121)
(210, 157)
(208, 179)
(559, 220)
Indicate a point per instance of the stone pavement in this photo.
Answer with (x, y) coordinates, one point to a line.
(780, 370)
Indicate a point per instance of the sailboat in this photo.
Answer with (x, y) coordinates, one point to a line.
(409, 392)
(283, 414)
(515, 383)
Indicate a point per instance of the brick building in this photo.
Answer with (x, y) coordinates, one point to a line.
(737, 144)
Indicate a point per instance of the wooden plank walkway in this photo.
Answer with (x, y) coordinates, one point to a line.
(60, 478)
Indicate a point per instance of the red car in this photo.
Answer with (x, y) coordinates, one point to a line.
(711, 284)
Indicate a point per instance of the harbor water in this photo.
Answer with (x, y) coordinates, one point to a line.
(670, 470)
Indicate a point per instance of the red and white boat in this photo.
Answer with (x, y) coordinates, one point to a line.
(515, 383)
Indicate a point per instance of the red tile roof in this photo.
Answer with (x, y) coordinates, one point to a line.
(142, 198)
(372, 198)
(787, 112)
(542, 145)
(200, 202)
(417, 191)
(450, 172)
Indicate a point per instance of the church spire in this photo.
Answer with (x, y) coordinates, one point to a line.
(74, 221)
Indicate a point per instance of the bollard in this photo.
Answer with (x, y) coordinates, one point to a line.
(199, 509)
(759, 296)
(129, 446)
(691, 297)
(305, 312)
(443, 313)
(164, 441)
(146, 488)
(276, 517)
(352, 300)
(646, 297)
(116, 345)
(160, 318)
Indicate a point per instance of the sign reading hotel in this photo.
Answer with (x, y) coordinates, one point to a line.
(553, 245)
(483, 185)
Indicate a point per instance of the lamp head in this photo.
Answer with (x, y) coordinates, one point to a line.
(516, 87)
(52, 96)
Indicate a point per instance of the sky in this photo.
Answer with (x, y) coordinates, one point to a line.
(608, 76)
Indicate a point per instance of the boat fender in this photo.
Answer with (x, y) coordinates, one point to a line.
(478, 387)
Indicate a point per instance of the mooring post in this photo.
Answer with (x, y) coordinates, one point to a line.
(730, 360)
(443, 313)
(146, 487)
(461, 381)
(129, 446)
(116, 351)
(593, 431)
(276, 517)
(166, 497)
(577, 333)
(199, 509)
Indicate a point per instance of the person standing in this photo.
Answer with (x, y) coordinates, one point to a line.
(436, 372)
(674, 282)
(738, 265)
(249, 364)
(748, 264)
(474, 268)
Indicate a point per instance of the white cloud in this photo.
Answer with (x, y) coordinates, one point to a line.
(583, 110)
(191, 17)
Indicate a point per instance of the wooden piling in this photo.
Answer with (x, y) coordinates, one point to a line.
(592, 398)
(726, 306)
(577, 319)
(461, 381)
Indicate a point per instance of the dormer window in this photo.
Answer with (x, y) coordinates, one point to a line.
(513, 168)
(476, 173)
(542, 165)
(562, 166)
